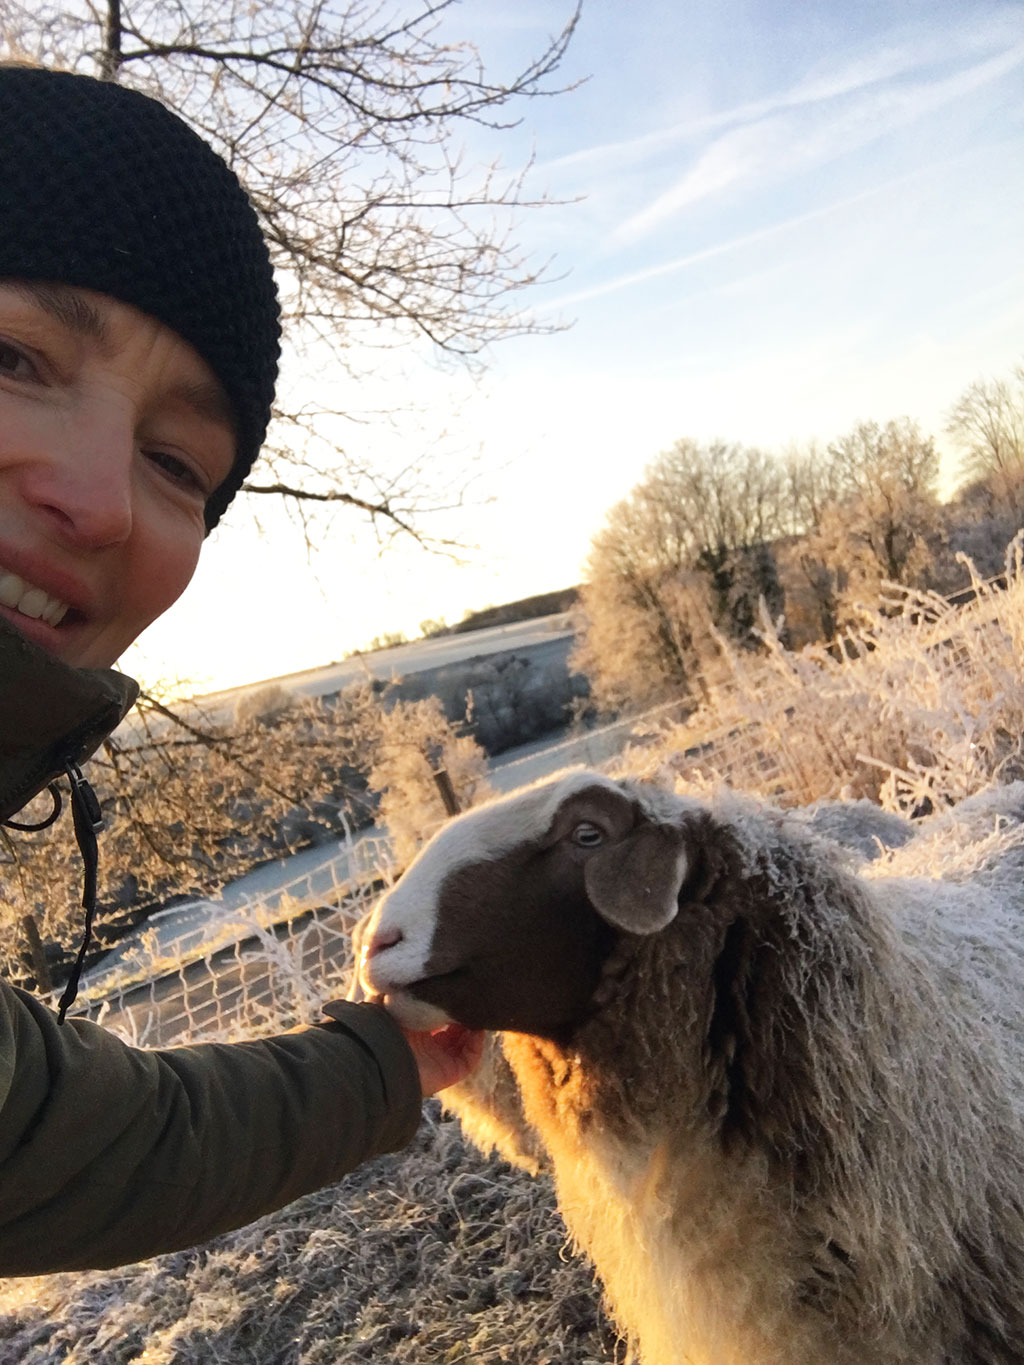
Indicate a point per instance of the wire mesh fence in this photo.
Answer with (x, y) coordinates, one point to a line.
(214, 972)
(915, 710)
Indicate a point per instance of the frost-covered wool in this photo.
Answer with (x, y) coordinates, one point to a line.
(789, 1127)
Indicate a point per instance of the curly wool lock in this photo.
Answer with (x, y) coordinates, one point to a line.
(781, 1088)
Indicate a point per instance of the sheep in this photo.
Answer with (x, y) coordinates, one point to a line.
(781, 1088)
(861, 826)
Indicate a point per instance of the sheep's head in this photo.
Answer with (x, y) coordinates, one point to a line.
(507, 917)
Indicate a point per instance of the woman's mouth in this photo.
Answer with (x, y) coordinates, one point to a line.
(28, 600)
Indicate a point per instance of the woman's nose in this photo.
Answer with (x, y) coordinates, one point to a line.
(83, 484)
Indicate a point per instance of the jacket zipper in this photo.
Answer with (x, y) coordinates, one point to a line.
(88, 818)
(87, 815)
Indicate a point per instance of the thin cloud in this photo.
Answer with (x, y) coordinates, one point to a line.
(635, 277)
(855, 73)
(785, 144)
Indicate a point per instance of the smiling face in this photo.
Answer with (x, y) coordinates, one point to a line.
(113, 434)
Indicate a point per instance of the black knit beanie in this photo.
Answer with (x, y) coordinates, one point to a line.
(104, 188)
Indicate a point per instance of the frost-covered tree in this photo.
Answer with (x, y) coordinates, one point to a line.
(987, 423)
(640, 639)
(413, 741)
(688, 548)
(193, 800)
(882, 522)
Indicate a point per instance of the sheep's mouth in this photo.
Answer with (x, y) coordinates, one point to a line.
(413, 1012)
(447, 994)
(436, 979)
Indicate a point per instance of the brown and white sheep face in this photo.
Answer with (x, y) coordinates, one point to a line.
(507, 917)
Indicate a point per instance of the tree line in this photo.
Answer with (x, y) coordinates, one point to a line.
(715, 529)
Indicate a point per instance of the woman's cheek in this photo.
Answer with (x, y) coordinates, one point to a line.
(163, 568)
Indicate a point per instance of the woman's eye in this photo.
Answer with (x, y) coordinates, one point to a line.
(587, 835)
(178, 470)
(15, 363)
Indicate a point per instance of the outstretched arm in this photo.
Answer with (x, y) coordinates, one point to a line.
(110, 1154)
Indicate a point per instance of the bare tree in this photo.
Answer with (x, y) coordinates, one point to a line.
(883, 525)
(708, 533)
(689, 547)
(712, 498)
(987, 423)
(718, 507)
(811, 482)
(345, 121)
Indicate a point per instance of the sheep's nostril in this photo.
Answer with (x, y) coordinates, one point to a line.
(387, 938)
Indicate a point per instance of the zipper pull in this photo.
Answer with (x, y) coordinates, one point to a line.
(82, 795)
(88, 818)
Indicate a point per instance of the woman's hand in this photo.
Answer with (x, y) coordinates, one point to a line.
(445, 1056)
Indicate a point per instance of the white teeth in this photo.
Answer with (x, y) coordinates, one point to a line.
(11, 588)
(34, 603)
(30, 601)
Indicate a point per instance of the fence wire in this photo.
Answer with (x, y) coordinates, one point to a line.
(914, 711)
(210, 972)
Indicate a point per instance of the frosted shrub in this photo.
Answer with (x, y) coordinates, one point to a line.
(925, 705)
(414, 741)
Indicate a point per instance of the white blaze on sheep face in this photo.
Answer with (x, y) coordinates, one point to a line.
(508, 915)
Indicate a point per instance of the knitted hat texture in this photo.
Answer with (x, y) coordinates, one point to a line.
(103, 188)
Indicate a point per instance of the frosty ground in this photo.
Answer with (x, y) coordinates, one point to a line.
(433, 1255)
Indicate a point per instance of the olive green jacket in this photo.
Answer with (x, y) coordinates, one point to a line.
(109, 1153)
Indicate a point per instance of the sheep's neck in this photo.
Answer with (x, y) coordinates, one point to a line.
(706, 1029)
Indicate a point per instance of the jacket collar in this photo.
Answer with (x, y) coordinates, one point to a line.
(50, 715)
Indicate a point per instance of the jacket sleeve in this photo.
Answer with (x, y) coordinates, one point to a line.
(109, 1154)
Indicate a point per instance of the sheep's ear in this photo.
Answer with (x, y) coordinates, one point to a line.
(635, 882)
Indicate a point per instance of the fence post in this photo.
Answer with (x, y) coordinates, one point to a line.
(37, 954)
(444, 786)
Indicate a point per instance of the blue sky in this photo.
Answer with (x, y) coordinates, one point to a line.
(777, 219)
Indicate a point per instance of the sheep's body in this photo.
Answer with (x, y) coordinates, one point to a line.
(793, 1129)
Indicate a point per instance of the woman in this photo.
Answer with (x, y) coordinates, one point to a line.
(138, 354)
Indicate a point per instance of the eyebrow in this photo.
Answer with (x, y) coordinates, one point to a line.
(67, 306)
(206, 398)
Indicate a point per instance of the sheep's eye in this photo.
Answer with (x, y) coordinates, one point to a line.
(587, 835)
